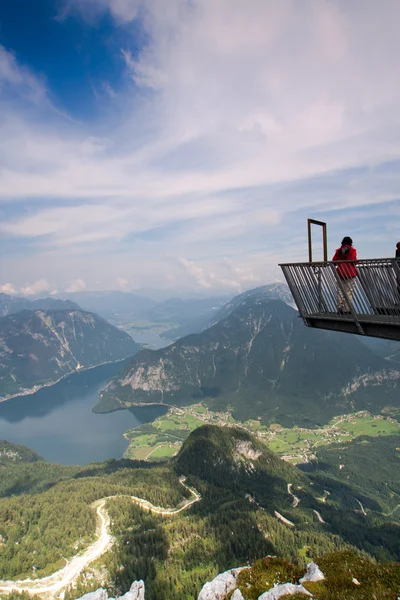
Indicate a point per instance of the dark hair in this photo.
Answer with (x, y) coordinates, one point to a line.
(347, 241)
(398, 245)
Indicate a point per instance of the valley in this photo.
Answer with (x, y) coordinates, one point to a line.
(163, 437)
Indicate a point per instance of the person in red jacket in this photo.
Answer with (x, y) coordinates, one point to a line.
(347, 273)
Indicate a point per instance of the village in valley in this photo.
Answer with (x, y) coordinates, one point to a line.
(162, 439)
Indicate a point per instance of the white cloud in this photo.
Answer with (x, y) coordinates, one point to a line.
(78, 285)
(233, 102)
(31, 289)
(123, 284)
(13, 74)
(196, 272)
(8, 288)
(228, 276)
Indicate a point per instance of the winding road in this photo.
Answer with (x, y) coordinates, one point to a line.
(296, 500)
(53, 585)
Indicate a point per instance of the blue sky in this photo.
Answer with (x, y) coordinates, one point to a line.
(178, 148)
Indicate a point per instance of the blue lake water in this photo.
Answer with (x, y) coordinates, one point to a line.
(58, 422)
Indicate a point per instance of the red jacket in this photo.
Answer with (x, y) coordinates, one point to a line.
(346, 270)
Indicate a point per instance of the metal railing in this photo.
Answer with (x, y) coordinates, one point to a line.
(318, 289)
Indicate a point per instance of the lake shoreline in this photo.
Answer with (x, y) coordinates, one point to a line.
(57, 421)
(37, 388)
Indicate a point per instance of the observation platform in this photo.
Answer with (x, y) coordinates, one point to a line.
(373, 310)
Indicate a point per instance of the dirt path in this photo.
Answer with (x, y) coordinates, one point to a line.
(283, 519)
(53, 585)
(320, 519)
(151, 452)
(361, 506)
(389, 514)
(296, 500)
(324, 497)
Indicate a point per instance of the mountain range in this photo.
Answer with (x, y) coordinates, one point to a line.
(13, 304)
(260, 360)
(175, 316)
(38, 347)
(113, 305)
(210, 311)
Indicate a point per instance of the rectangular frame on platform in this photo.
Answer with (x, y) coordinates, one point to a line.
(324, 238)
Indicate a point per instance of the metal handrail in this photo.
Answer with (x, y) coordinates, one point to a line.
(316, 286)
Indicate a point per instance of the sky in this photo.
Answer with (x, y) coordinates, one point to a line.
(183, 144)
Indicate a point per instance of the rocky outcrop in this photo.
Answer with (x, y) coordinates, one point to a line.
(221, 586)
(285, 589)
(237, 595)
(135, 593)
(97, 595)
(313, 573)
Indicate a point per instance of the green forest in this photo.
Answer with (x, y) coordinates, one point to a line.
(47, 514)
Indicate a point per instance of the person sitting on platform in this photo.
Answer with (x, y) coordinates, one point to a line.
(347, 273)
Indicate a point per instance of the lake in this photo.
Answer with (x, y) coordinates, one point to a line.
(153, 339)
(57, 422)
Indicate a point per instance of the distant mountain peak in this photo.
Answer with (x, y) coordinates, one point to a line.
(13, 304)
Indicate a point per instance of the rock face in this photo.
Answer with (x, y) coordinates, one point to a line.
(261, 360)
(97, 595)
(313, 573)
(219, 588)
(223, 584)
(284, 589)
(39, 347)
(237, 595)
(135, 593)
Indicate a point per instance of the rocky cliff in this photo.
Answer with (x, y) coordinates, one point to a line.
(39, 347)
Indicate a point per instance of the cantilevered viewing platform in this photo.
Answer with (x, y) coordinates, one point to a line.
(374, 309)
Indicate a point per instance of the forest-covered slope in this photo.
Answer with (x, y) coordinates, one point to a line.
(369, 464)
(39, 347)
(261, 361)
(252, 505)
(15, 454)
